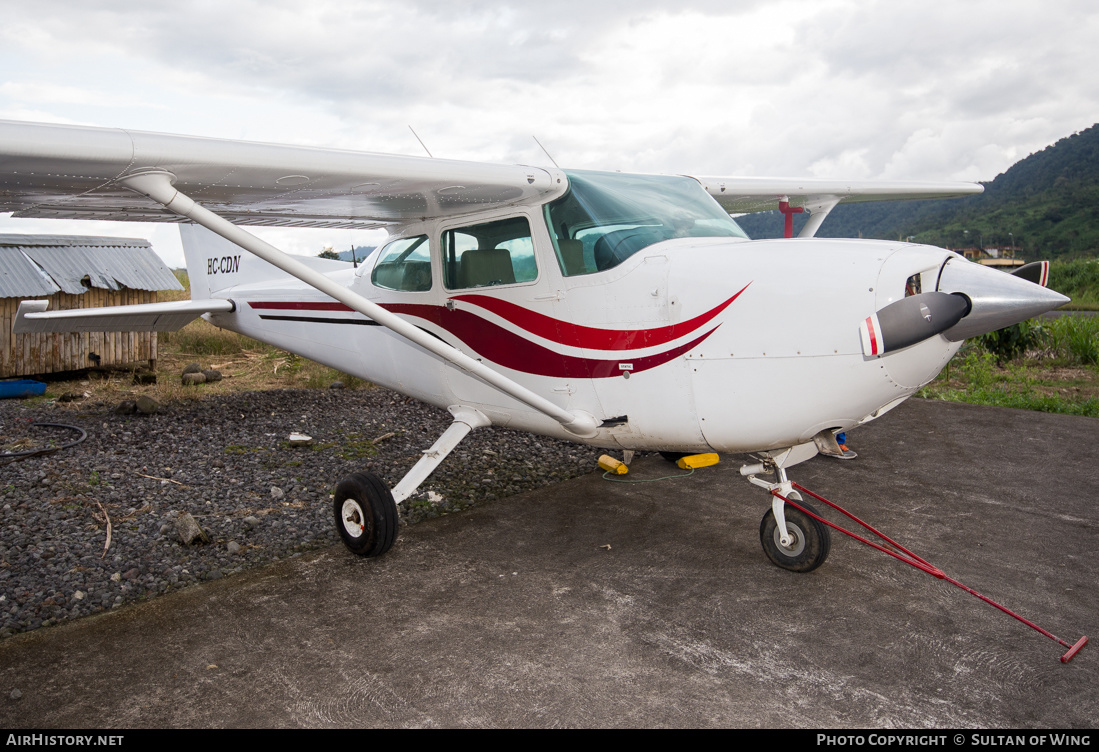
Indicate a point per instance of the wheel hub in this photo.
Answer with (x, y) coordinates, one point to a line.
(353, 518)
(797, 540)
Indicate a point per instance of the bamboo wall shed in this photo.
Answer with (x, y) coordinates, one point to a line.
(76, 271)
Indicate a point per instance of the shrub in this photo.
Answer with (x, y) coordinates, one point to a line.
(1013, 341)
(1078, 279)
(1076, 339)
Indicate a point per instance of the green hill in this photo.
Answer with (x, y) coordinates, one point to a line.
(1046, 204)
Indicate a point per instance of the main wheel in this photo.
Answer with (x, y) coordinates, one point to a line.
(366, 515)
(812, 540)
(673, 456)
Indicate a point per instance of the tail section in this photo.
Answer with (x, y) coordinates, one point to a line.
(215, 264)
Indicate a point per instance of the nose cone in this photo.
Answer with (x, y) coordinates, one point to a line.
(998, 299)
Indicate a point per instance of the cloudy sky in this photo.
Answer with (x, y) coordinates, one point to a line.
(824, 88)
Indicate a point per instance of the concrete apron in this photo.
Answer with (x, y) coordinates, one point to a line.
(593, 603)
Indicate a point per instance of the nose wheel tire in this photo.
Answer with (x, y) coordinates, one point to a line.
(366, 515)
(810, 544)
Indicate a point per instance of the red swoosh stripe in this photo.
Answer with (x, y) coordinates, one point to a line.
(510, 350)
(575, 335)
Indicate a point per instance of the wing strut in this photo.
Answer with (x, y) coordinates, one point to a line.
(818, 208)
(157, 185)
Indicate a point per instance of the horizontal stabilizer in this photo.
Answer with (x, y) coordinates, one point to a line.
(32, 316)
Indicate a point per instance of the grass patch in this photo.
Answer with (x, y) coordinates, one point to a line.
(1079, 280)
(245, 364)
(201, 339)
(1037, 383)
(355, 446)
(1075, 339)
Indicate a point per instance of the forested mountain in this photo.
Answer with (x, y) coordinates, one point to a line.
(1047, 204)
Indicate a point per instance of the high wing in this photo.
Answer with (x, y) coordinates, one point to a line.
(72, 172)
(54, 171)
(819, 197)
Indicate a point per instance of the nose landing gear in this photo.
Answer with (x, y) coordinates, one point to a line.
(791, 538)
(808, 541)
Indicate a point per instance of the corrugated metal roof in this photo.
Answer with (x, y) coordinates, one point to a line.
(21, 277)
(34, 265)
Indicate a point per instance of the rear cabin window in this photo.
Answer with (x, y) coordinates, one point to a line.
(488, 254)
(404, 264)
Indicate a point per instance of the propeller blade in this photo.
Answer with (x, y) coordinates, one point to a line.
(1036, 272)
(911, 320)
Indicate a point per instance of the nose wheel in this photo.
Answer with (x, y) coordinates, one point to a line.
(809, 540)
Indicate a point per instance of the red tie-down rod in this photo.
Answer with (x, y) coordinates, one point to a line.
(788, 213)
(910, 558)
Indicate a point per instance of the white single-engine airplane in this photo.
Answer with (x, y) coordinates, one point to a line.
(621, 311)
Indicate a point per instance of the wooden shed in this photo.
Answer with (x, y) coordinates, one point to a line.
(76, 271)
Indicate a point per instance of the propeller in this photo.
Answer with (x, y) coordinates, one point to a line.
(911, 320)
(971, 300)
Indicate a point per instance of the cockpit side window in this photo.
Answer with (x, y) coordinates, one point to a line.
(405, 265)
(487, 254)
(607, 217)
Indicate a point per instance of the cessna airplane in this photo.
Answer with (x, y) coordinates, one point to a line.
(621, 311)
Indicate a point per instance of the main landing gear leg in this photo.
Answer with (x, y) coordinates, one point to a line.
(366, 510)
(791, 539)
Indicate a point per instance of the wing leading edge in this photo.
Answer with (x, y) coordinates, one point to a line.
(819, 197)
(73, 172)
(54, 171)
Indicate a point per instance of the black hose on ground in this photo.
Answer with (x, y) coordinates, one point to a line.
(9, 457)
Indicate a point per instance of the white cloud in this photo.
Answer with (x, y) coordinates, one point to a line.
(832, 88)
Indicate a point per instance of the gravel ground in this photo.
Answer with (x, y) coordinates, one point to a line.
(227, 461)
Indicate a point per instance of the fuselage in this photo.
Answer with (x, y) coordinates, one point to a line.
(672, 339)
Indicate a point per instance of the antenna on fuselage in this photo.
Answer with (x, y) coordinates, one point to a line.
(421, 143)
(354, 260)
(547, 152)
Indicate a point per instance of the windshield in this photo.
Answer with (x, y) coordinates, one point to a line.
(606, 217)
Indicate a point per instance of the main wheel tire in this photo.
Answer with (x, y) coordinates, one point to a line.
(812, 540)
(366, 515)
(673, 456)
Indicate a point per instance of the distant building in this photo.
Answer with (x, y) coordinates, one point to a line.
(1003, 258)
(76, 271)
